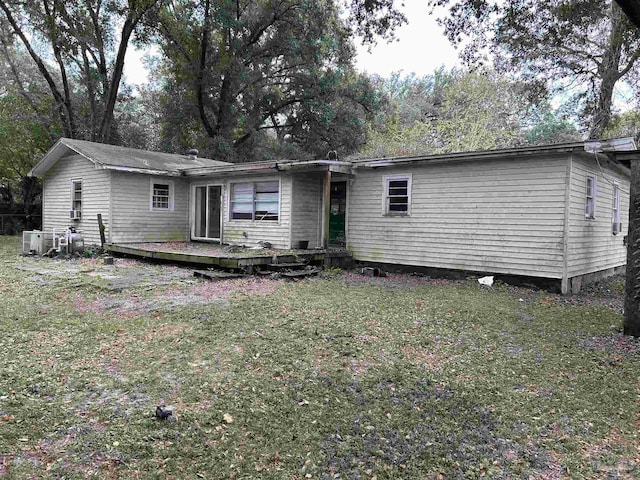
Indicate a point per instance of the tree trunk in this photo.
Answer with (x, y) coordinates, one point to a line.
(602, 114)
(632, 299)
(57, 52)
(204, 46)
(107, 116)
(609, 72)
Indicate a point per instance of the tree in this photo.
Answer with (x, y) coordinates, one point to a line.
(78, 63)
(547, 126)
(448, 112)
(632, 294)
(23, 141)
(625, 124)
(27, 128)
(374, 18)
(259, 72)
(588, 43)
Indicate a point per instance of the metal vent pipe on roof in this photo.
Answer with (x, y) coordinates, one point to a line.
(193, 153)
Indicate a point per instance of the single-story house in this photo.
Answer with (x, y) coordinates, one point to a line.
(555, 211)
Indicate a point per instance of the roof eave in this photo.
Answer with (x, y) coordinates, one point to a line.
(270, 167)
(148, 171)
(463, 156)
(55, 153)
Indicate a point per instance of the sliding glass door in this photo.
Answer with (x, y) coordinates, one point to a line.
(207, 213)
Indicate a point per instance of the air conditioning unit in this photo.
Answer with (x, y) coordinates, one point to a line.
(33, 242)
(75, 214)
(616, 228)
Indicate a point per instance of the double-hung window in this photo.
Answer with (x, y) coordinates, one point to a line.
(161, 195)
(397, 195)
(590, 198)
(615, 212)
(76, 199)
(255, 201)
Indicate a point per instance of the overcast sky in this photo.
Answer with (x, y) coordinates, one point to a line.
(420, 48)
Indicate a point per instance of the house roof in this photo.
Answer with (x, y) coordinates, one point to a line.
(620, 151)
(610, 148)
(112, 157)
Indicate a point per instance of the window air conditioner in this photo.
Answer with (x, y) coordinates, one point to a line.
(616, 228)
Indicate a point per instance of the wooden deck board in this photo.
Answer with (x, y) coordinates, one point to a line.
(231, 260)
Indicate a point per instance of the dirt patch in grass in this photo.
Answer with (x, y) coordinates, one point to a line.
(615, 343)
(125, 274)
(193, 293)
(424, 357)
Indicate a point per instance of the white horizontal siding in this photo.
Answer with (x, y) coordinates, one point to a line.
(592, 246)
(133, 219)
(249, 232)
(57, 197)
(306, 208)
(502, 216)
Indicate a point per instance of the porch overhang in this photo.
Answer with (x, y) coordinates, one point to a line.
(242, 169)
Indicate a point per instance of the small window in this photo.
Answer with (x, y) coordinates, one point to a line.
(162, 195)
(76, 198)
(615, 212)
(397, 195)
(255, 201)
(590, 200)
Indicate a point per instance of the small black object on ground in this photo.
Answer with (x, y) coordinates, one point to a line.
(163, 412)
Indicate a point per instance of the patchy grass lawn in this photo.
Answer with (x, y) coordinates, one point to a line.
(348, 377)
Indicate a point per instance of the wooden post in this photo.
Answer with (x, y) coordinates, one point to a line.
(326, 206)
(632, 298)
(101, 228)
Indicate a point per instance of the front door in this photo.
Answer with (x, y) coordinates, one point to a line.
(338, 213)
(207, 217)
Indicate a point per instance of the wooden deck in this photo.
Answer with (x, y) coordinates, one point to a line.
(225, 257)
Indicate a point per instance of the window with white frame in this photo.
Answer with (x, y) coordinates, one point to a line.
(615, 212)
(255, 201)
(590, 198)
(397, 195)
(76, 199)
(161, 195)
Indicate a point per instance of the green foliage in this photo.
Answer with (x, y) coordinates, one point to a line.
(448, 112)
(23, 141)
(331, 272)
(12, 226)
(549, 126)
(270, 77)
(625, 124)
(76, 51)
(374, 18)
(481, 112)
(581, 47)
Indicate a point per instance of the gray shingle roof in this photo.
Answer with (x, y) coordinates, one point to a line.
(120, 158)
(134, 158)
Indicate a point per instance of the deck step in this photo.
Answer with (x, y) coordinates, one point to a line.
(300, 273)
(217, 274)
(286, 266)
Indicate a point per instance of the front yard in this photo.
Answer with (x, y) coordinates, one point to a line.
(341, 377)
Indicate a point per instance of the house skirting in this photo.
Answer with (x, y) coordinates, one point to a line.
(576, 283)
